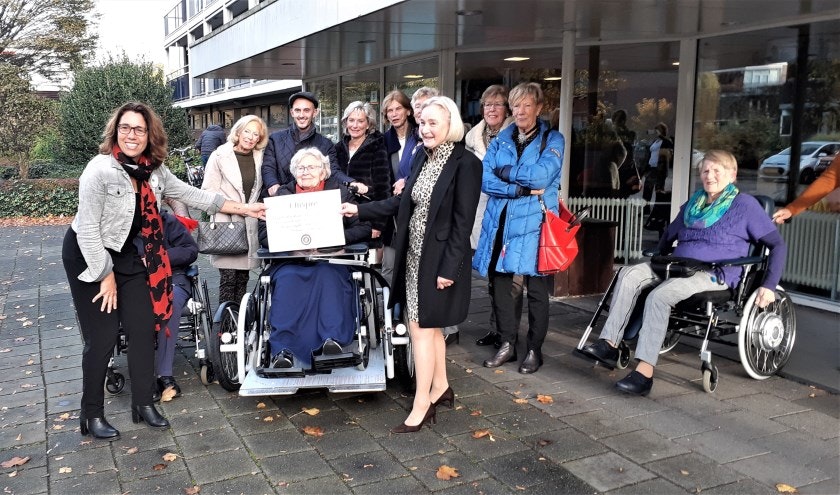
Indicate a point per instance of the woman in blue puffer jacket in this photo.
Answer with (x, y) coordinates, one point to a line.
(521, 164)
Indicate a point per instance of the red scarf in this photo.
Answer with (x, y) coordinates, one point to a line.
(319, 187)
(151, 231)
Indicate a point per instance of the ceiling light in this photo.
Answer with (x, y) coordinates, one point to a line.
(675, 63)
(517, 59)
(413, 76)
(366, 42)
(467, 13)
(287, 63)
(552, 78)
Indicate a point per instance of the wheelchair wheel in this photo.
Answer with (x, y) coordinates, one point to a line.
(672, 338)
(114, 382)
(404, 365)
(623, 356)
(206, 374)
(224, 363)
(766, 336)
(710, 379)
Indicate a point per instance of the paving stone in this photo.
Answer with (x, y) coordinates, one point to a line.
(694, 472)
(654, 486)
(600, 424)
(211, 419)
(564, 445)
(404, 484)
(821, 488)
(68, 402)
(277, 443)
(830, 465)
(22, 434)
(169, 482)
(722, 447)
(525, 422)
(772, 469)
(294, 466)
(526, 469)
(235, 405)
(489, 404)
(243, 484)
(209, 442)
(366, 468)
(27, 481)
(379, 425)
(101, 483)
(82, 463)
(405, 446)
(343, 443)
(62, 389)
(142, 464)
(325, 485)
(17, 398)
(698, 405)
(329, 420)
(745, 424)
(305, 399)
(188, 404)
(644, 446)
(359, 405)
(456, 421)
(221, 466)
(424, 469)
(608, 471)
(766, 405)
(822, 401)
(671, 423)
(484, 448)
(816, 423)
(629, 406)
(19, 415)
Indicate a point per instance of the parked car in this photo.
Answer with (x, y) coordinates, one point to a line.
(776, 167)
(824, 162)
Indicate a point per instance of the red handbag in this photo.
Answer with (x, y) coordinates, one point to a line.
(558, 246)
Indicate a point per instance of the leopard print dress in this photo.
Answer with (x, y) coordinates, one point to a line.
(421, 195)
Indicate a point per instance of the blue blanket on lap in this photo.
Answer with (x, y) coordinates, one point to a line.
(309, 304)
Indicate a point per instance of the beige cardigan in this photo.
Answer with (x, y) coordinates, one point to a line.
(221, 175)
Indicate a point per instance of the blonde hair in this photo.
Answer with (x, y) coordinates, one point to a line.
(456, 125)
(522, 90)
(366, 109)
(242, 123)
(724, 158)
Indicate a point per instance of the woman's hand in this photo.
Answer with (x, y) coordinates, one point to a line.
(782, 215)
(108, 293)
(349, 209)
(399, 186)
(255, 210)
(360, 188)
(537, 192)
(765, 297)
(374, 233)
(443, 283)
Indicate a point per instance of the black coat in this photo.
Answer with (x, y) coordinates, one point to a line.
(370, 166)
(446, 242)
(282, 146)
(355, 231)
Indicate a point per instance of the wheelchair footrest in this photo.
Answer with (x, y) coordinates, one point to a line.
(332, 361)
(280, 372)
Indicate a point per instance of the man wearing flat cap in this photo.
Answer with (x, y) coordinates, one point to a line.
(282, 145)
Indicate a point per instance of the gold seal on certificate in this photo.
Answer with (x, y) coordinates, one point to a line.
(304, 221)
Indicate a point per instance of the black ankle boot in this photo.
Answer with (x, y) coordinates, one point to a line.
(506, 354)
(98, 428)
(149, 415)
(492, 338)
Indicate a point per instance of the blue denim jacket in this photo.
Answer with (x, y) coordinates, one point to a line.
(106, 209)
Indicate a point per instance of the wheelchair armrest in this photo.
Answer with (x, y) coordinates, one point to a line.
(648, 253)
(748, 260)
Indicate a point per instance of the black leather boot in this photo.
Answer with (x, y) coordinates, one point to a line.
(149, 415)
(98, 428)
(506, 354)
(492, 338)
(532, 362)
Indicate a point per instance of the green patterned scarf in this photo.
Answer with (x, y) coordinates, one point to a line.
(699, 215)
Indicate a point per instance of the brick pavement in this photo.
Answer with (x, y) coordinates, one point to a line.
(745, 438)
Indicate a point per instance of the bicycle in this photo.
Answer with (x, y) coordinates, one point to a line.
(194, 168)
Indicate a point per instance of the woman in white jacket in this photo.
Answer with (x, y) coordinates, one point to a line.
(233, 171)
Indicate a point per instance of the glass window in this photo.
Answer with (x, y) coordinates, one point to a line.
(327, 120)
(361, 86)
(278, 116)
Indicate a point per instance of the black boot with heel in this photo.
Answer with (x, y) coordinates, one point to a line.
(98, 428)
(149, 415)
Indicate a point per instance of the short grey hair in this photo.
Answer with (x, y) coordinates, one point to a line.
(366, 108)
(424, 92)
(522, 90)
(456, 125)
(313, 152)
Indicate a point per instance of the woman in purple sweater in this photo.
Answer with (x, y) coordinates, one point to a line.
(717, 223)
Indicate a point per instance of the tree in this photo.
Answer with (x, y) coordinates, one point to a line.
(25, 116)
(99, 90)
(46, 36)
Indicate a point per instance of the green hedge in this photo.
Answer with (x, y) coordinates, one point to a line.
(39, 197)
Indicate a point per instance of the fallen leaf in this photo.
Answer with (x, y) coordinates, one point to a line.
(65, 469)
(785, 488)
(15, 461)
(812, 395)
(545, 399)
(58, 427)
(315, 431)
(520, 401)
(19, 437)
(158, 467)
(499, 372)
(12, 474)
(468, 370)
(5, 350)
(268, 419)
(59, 458)
(683, 472)
(132, 450)
(63, 417)
(480, 433)
(261, 405)
(169, 457)
(475, 413)
(312, 411)
(85, 442)
(446, 473)
(367, 466)
(168, 394)
(543, 442)
(192, 490)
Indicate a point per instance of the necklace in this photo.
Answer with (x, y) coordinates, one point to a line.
(523, 136)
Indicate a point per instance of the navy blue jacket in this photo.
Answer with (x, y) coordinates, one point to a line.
(210, 139)
(282, 146)
(181, 247)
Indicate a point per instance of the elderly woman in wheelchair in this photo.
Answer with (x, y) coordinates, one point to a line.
(310, 314)
(714, 230)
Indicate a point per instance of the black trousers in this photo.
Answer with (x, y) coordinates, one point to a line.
(505, 304)
(100, 331)
(232, 284)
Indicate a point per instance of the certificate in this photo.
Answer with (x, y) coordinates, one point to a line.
(304, 221)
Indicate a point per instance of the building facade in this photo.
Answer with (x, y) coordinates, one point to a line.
(751, 76)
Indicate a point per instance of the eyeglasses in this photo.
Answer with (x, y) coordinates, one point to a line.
(494, 105)
(126, 129)
(308, 168)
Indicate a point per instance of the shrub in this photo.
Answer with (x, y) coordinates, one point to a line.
(39, 197)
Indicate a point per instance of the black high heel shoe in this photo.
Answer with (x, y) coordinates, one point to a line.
(428, 417)
(149, 415)
(98, 428)
(447, 396)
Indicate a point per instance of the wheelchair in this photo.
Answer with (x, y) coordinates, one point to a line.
(381, 348)
(764, 337)
(194, 327)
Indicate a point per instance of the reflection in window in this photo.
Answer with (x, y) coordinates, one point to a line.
(327, 120)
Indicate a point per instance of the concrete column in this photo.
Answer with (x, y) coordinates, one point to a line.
(567, 72)
(684, 127)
